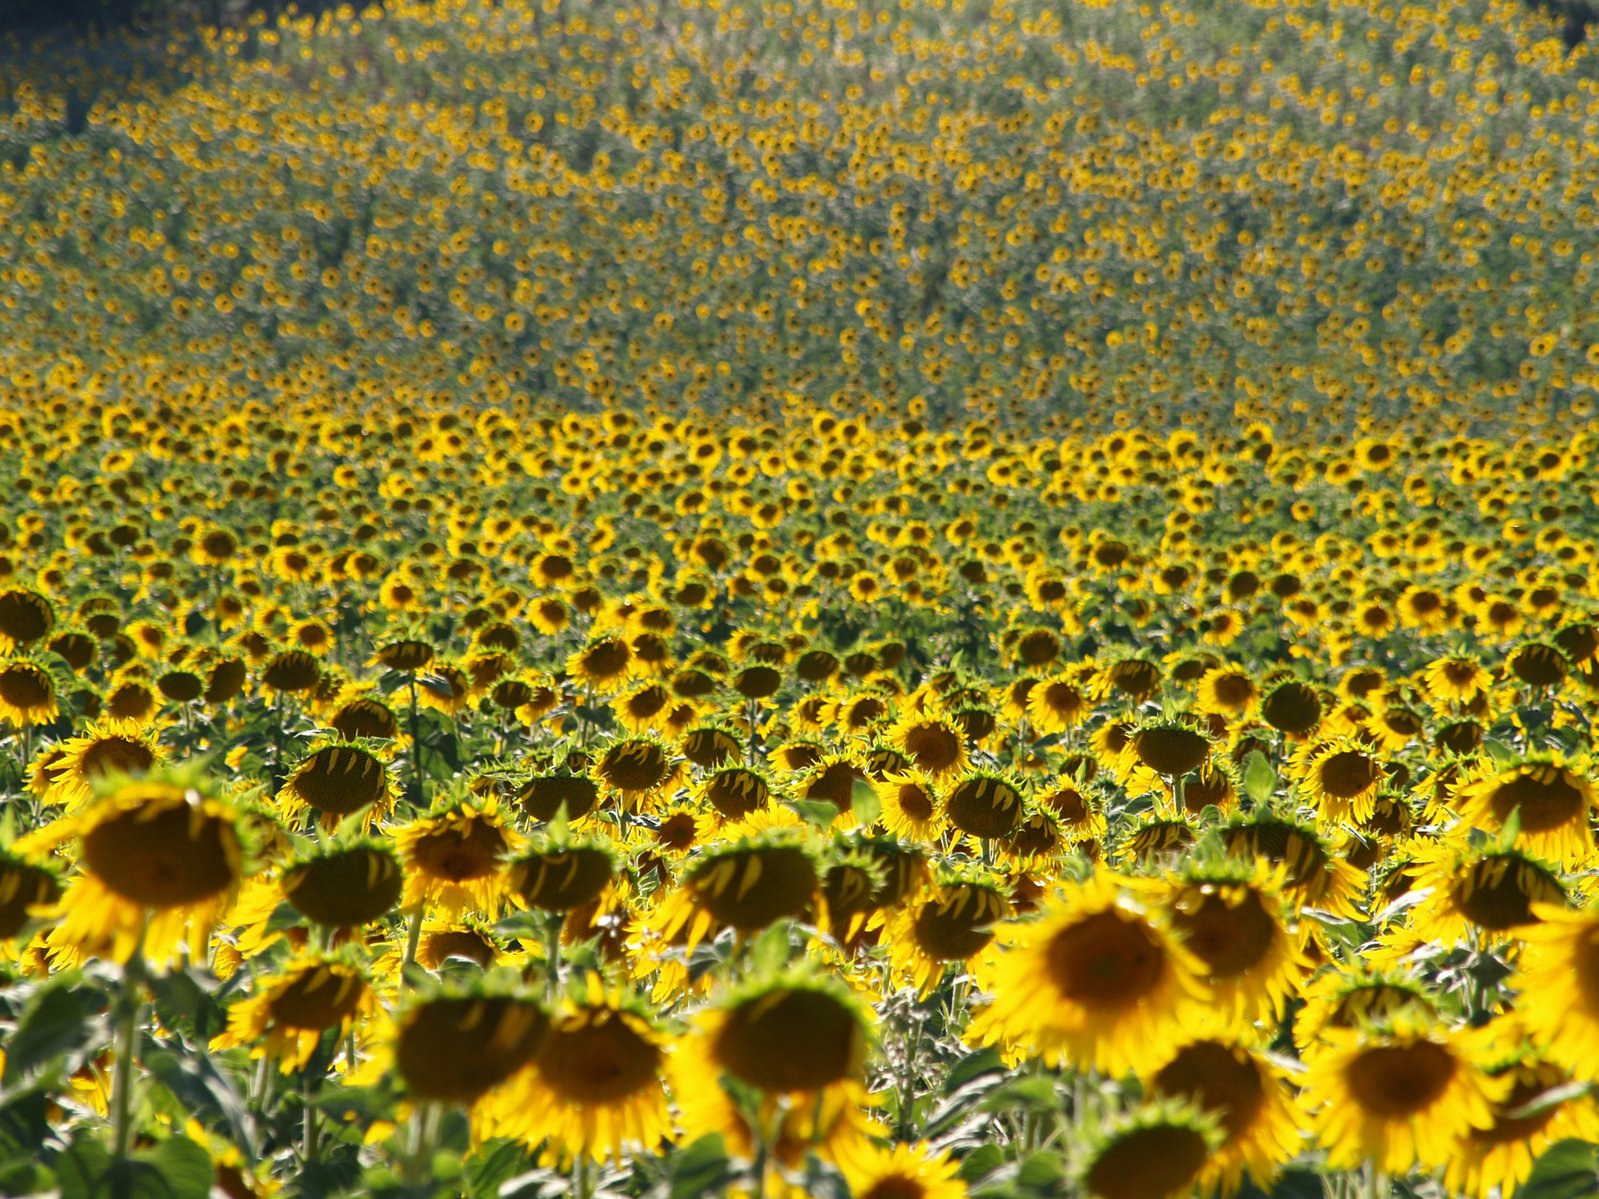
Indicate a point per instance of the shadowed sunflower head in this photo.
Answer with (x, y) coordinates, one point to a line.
(344, 885)
(459, 1042)
(796, 1034)
(25, 617)
(710, 745)
(558, 874)
(340, 778)
(1156, 1152)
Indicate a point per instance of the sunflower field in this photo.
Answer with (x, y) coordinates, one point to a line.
(678, 598)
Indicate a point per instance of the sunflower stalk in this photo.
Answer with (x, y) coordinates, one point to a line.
(416, 795)
(552, 955)
(127, 1039)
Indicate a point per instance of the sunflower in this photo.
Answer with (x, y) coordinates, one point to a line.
(160, 857)
(1497, 1159)
(27, 693)
(1340, 778)
(985, 804)
(735, 792)
(458, 1044)
(746, 884)
(25, 884)
(635, 770)
(1553, 800)
(1246, 1092)
(594, 1085)
(344, 885)
(336, 779)
(1316, 876)
(1058, 703)
(1457, 679)
(914, 1171)
(603, 665)
(25, 617)
(1494, 893)
(455, 858)
(1558, 978)
(557, 875)
(1098, 983)
(952, 921)
(1228, 690)
(292, 1009)
(1230, 916)
(1292, 707)
(103, 750)
(795, 1035)
(1157, 1152)
(932, 741)
(1397, 1095)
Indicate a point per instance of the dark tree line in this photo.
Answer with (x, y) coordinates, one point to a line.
(41, 16)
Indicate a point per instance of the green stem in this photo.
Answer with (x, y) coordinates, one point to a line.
(552, 955)
(582, 1183)
(416, 748)
(413, 938)
(310, 1119)
(122, 1089)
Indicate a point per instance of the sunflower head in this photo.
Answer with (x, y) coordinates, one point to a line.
(456, 1042)
(559, 873)
(1155, 1152)
(791, 1034)
(339, 778)
(344, 885)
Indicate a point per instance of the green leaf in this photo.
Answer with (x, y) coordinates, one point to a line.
(819, 812)
(1566, 1170)
(1036, 1094)
(1043, 1171)
(25, 1178)
(865, 803)
(701, 1168)
(1259, 779)
(58, 1019)
(981, 1162)
(496, 1162)
(1547, 1101)
(973, 1066)
(771, 950)
(183, 1168)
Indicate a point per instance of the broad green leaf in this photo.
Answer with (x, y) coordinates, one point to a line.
(1566, 1170)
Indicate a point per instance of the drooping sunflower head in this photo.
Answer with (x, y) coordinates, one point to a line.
(735, 792)
(635, 769)
(25, 884)
(455, 1043)
(796, 1034)
(1170, 747)
(985, 804)
(951, 921)
(339, 778)
(1292, 707)
(1156, 1152)
(560, 873)
(403, 654)
(752, 882)
(710, 745)
(344, 885)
